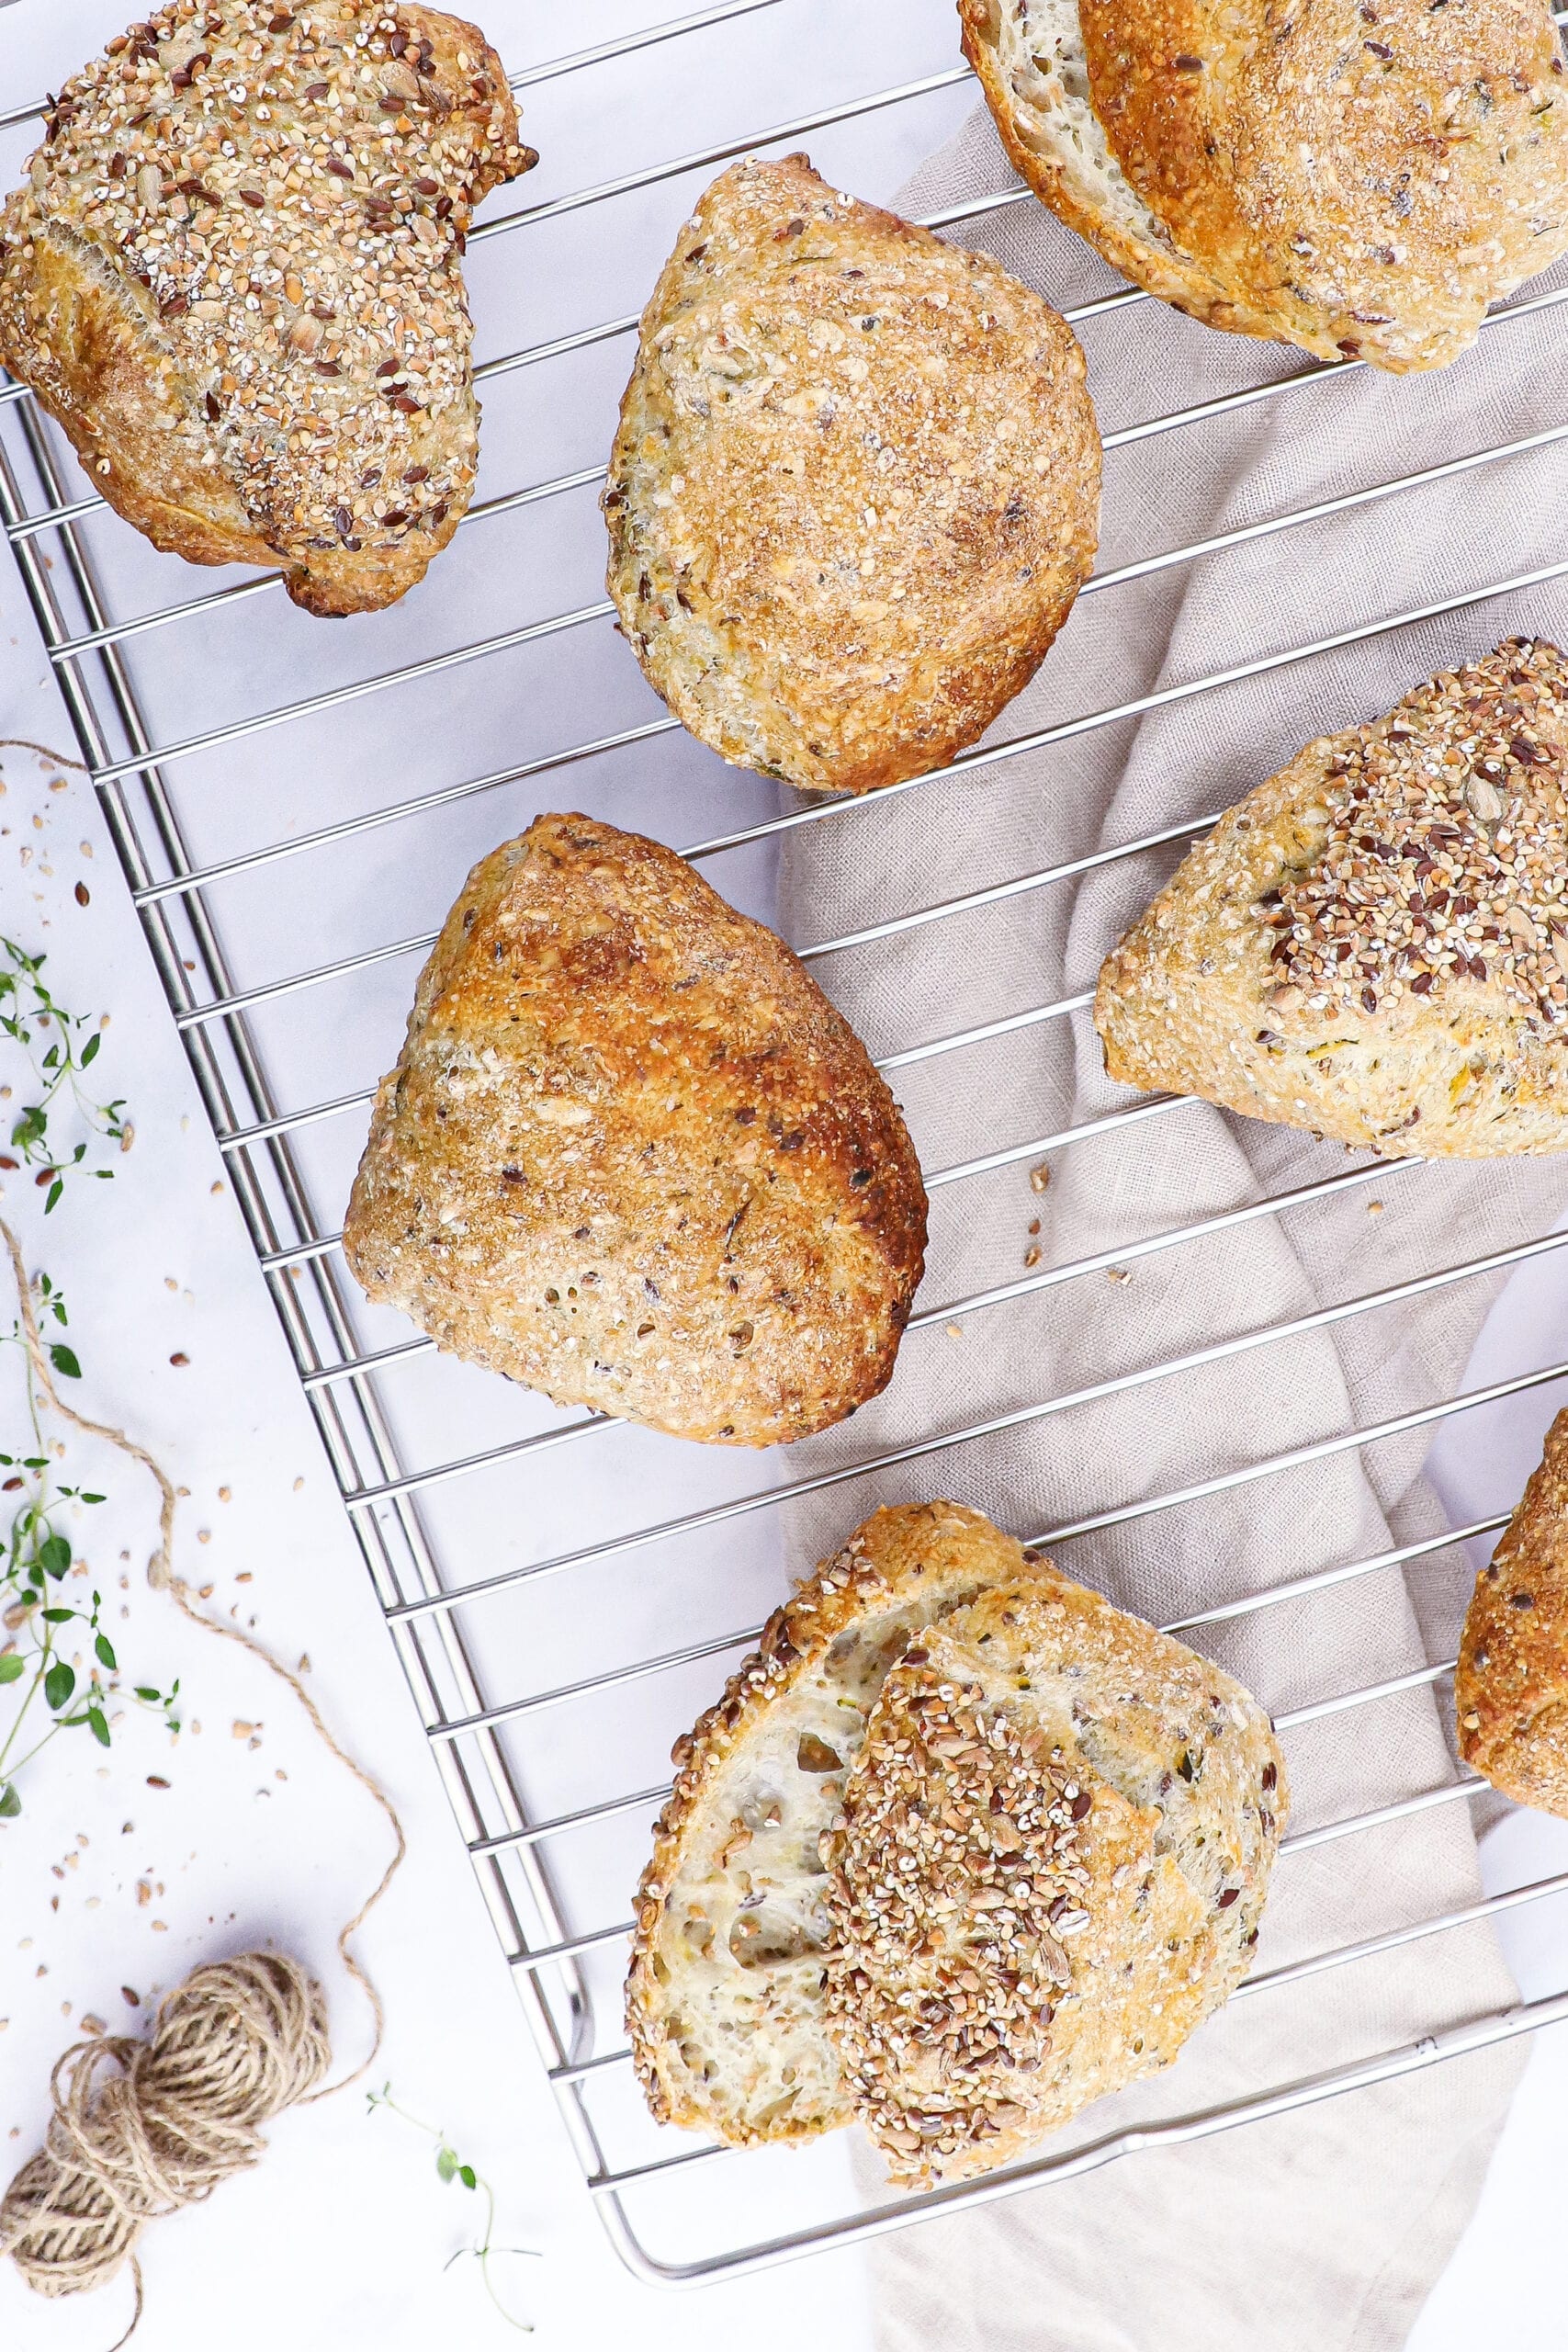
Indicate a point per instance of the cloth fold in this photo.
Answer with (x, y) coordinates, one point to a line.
(1326, 2225)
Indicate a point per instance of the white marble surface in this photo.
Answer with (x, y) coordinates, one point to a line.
(341, 2236)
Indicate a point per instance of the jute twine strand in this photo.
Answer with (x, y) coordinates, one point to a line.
(141, 2128)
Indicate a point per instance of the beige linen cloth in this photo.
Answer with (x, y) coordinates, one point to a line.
(1326, 2227)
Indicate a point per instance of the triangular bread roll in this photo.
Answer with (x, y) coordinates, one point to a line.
(1374, 944)
(632, 1156)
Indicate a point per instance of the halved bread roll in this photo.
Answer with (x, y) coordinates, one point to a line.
(726, 1996)
(1511, 1685)
(855, 488)
(961, 1848)
(1358, 181)
(1374, 944)
(632, 1156)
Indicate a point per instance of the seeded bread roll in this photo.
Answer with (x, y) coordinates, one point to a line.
(1374, 944)
(1056, 1841)
(961, 1848)
(1361, 185)
(855, 488)
(632, 1156)
(1511, 1686)
(234, 279)
(724, 1997)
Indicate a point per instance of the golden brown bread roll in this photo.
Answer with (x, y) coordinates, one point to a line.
(632, 1156)
(1361, 180)
(1374, 944)
(961, 1848)
(1511, 1685)
(233, 279)
(855, 488)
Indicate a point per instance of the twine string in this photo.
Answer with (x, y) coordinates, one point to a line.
(142, 2128)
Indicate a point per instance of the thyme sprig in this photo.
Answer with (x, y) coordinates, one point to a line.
(61, 1048)
(42, 1690)
(35, 1611)
(450, 2167)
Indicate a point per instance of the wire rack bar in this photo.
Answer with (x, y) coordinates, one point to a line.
(1026, 1285)
(702, 159)
(178, 885)
(628, 44)
(640, 1669)
(1431, 2050)
(351, 1367)
(1320, 1580)
(1139, 706)
(1320, 1318)
(118, 632)
(983, 756)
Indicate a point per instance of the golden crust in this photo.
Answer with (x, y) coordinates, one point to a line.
(234, 279)
(632, 1156)
(1370, 184)
(855, 487)
(906, 1564)
(1025, 101)
(1058, 1833)
(1374, 944)
(1511, 1684)
(1356, 186)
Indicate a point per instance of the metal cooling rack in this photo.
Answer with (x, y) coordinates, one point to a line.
(549, 1862)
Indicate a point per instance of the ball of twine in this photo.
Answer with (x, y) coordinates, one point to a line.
(141, 2128)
